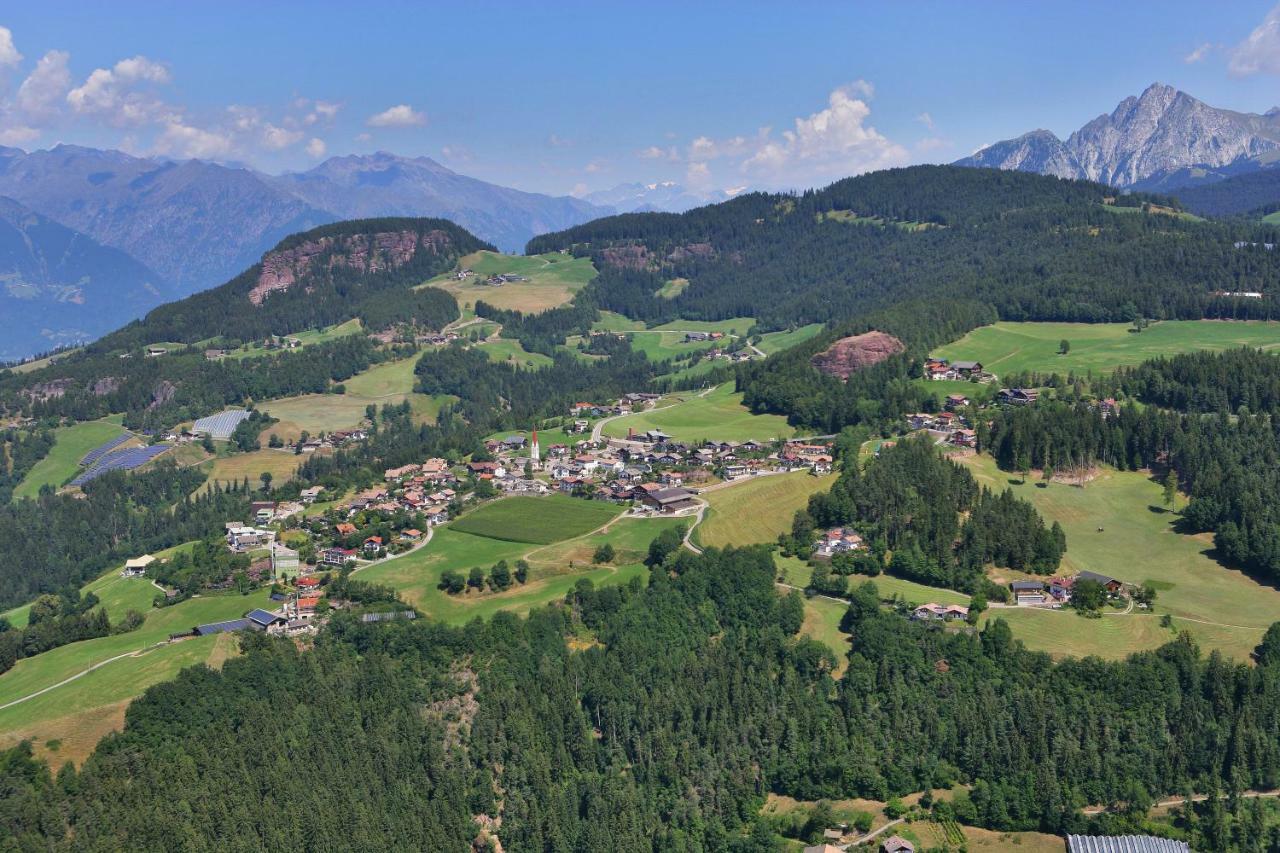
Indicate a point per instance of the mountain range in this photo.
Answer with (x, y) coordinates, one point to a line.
(663, 196)
(1161, 140)
(178, 227)
(58, 286)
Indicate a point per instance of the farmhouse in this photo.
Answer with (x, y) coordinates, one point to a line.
(838, 540)
(956, 401)
(964, 438)
(137, 567)
(966, 368)
(669, 500)
(337, 556)
(897, 844)
(220, 627)
(1018, 396)
(265, 620)
(1028, 592)
(1111, 584)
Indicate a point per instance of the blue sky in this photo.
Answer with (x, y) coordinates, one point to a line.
(573, 97)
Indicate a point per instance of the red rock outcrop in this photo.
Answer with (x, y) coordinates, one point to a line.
(379, 252)
(849, 355)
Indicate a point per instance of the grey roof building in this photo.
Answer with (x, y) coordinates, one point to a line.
(1124, 844)
(221, 627)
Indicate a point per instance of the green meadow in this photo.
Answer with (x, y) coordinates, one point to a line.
(718, 414)
(1117, 525)
(1016, 347)
(71, 443)
(510, 351)
(553, 279)
(308, 338)
(554, 568)
(756, 509)
(538, 520)
(772, 342)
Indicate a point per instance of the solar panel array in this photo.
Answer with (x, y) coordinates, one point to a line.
(221, 425)
(103, 449)
(121, 460)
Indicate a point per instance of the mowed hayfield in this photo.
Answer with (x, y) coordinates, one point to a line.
(388, 383)
(715, 415)
(553, 279)
(756, 509)
(1118, 525)
(772, 342)
(554, 568)
(1015, 347)
(71, 443)
(81, 702)
(540, 520)
(238, 467)
(505, 350)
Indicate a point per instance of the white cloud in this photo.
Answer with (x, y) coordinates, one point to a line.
(595, 166)
(1198, 54)
(18, 135)
(183, 140)
(364, 137)
(326, 109)
(1260, 52)
(316, 148)
(654, 152)
(579, 190)
(110, 93)
(926, 120)
(276, 138)
(9, 55)
(42, 92)
(702, 148)
(698, 176)
(861, 87)
(456, 153)
(401, 115)
(832, 143)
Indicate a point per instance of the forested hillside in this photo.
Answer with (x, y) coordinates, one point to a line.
(413, 735)
(1035, 247)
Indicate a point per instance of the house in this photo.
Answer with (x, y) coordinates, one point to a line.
(153, 352)
(308, 604)
(410, 535)
(1060, 589)
(897, 844)
(820, 465)
(372, 546)
(265, 620)
(966, 368)
(1018, 396)
(480, 469)
(838, 540)
(671, 478)
(1028, 592)
(345, 528)
(284, 561)
(137, 567)
(733, 472)
(246, 538)
(514, 442)
(955, 401)
(307, 584)
(1108, 407)
(964, 438)
(1124, 844)
(669, 500)
(654, 436)
(1109, 583)
(823, 848)
(940, 613)
(214, 354)
(392, 475)
(337, 556)
(920, 421)
(309, 495)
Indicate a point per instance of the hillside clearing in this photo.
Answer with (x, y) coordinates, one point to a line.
(718, 414)
(553, 279)
(536, 520)
(757, 509)
(1015, 347)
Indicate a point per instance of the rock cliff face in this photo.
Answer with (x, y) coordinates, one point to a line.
(1163, 138)
(367, 253)
(849, 355)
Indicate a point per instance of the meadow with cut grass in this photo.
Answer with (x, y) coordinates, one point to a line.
(756, 509)
(235, 468)
(540, 520)
(389, 383)
(506, 350)
(1117, 525)
(554, 568)
(71, 443)
(552, 280)
(772, 342)
(717, 414)
(1101, 347)
(308, 338)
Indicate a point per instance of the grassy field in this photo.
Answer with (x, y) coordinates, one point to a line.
(553, 280)
(1015, 347)
(796, 572)
(822, 622)
(1223, 608)
(506, 350)
(1272, 218)
(91, 704)
(71, 443)
(756, 509)
(772, 342)
(382, 384)
(554, 568)
(536, 520)
(238, 467)
(311, 337)
(673, 288)
(718, 415)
